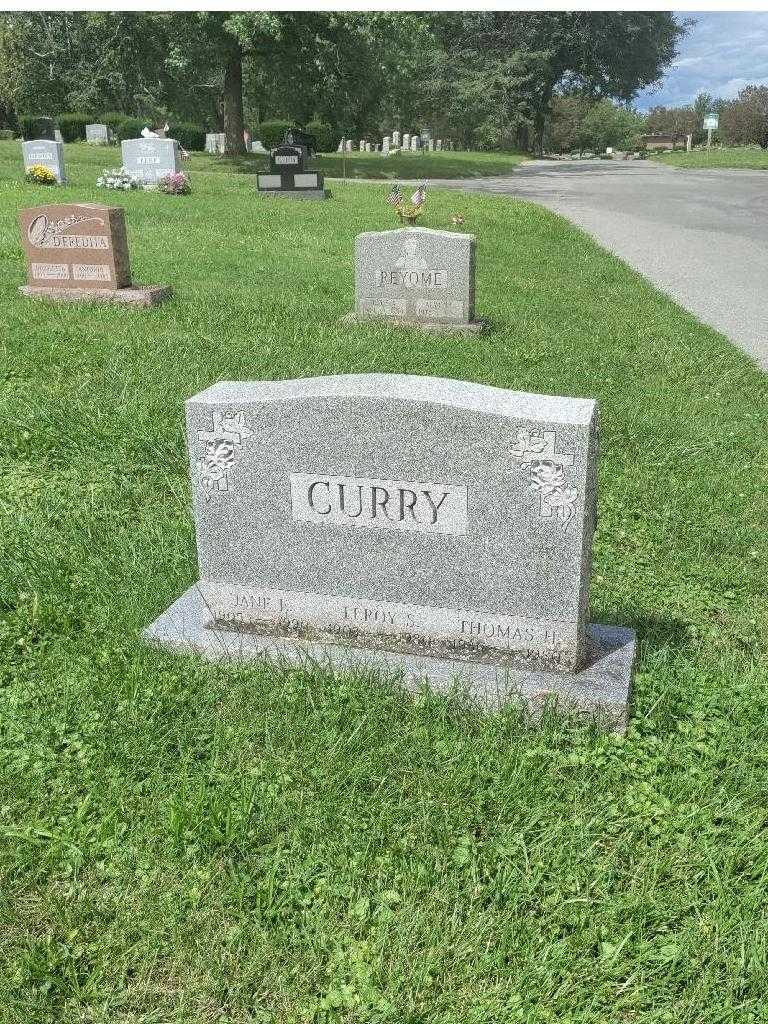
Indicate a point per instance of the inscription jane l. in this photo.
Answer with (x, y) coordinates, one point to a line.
(379, 504)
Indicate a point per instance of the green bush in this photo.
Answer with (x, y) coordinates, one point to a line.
(72, 126)
(113, 119)
(7, 133)
(28, 125)
(130, 128)
(271, 132)
(188, 135)
(326, 136)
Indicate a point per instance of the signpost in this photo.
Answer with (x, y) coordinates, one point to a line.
(710, 123)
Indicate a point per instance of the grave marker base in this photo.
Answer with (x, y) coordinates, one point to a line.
(473, 327)
(600, 690)
(305, 193)
(136, 295)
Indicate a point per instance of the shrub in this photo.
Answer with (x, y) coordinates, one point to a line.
(7, 133)
(175, 184)
(326, 136)
(271, 132)
(130, 128)
(39, 175)
(28, 124)
(113, 119)
(72, 126)
(118, 178)
(188, 135)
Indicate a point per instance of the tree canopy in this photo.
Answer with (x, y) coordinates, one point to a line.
(487, 78)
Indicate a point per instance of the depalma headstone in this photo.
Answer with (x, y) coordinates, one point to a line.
(151, 159)
(48, 154)
(288, 176)
(79, 252)
(416, 276)
(436, 529)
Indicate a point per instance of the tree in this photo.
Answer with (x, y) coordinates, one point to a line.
(607, 124)
(744, 121)
(599, 54)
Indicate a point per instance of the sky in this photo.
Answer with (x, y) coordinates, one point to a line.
(721, 53)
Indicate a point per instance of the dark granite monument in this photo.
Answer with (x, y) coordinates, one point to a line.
(288, 176)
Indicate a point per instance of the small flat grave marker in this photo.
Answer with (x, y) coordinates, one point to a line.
(79, 252)
(433, 529)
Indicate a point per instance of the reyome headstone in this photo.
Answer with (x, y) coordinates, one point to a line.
(97, 134)
(418, 277)
(435, 529)
(46, 153)
(151, 159)
(79, 251)
(288, 176)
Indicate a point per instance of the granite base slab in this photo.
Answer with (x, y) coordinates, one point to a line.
(473, 327)
(137, 295)
(305, 193)
(601, 690)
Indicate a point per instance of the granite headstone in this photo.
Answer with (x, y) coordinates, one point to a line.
(436, 530)
(416, 276)
(288, 176)
(151, 159)
(97, 134)
(79, 251)
(46, 153)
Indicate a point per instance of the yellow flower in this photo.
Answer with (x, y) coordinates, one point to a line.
(40, 175)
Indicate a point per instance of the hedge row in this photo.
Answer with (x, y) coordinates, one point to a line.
(190, 136)
(271, 134)
(72, 127)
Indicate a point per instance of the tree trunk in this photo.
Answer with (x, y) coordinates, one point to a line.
(233, 100)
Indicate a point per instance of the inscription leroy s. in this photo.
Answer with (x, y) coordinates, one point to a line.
(379, 504)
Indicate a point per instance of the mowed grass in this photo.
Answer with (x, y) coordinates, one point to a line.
(745, 157)
(194, 843)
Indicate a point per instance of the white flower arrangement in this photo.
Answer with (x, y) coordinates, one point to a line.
(118, 178)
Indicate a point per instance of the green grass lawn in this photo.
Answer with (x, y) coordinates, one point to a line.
(700, 159)
(189, 843)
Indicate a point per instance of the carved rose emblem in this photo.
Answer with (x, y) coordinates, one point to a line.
(546, 476)
(220, 455)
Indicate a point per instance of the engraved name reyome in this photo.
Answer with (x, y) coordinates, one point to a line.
(379, 504)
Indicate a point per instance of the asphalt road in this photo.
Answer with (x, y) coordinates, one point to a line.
(700, 236)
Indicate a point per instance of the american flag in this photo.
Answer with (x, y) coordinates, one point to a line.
(419, 196)
(395, 197)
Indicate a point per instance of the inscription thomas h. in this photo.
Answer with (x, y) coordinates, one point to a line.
(379, 504)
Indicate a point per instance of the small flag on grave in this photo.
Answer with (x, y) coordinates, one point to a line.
(395, 197)
(419, 196)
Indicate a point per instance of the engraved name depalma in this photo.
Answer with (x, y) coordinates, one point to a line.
(47, 234)
(379, 504)
(411, 271)
(416, 624)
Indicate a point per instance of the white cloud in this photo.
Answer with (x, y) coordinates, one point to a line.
(721, 54)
